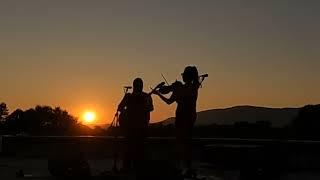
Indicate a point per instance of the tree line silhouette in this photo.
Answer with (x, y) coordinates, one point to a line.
(41, 120)
(45, 120)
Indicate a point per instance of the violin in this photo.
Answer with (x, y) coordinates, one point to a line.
(170, 88)
(163, 89)
(153, 90)
(166, 89)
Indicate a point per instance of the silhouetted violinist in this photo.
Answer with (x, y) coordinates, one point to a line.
(185, 95)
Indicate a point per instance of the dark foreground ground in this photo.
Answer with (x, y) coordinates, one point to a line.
(37, 169)
(221, 159)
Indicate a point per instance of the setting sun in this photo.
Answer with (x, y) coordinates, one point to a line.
(89, 116)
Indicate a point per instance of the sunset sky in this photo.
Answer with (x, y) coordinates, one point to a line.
(79, 54)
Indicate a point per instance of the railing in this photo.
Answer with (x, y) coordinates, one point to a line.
(26, 142)
(296, 153)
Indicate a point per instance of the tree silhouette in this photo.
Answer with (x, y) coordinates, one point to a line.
(307, 124)
(41, 120)
(14, 122)
(4, 111)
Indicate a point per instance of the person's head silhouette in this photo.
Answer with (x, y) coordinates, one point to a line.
(190, 75)
(137, 85)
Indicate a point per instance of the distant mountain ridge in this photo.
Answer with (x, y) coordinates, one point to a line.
(277, 116)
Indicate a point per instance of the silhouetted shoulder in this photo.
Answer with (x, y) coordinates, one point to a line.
(178, 84)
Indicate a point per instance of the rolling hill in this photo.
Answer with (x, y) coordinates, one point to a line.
(277, 116)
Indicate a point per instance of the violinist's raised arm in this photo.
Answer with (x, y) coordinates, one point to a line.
(165, 99)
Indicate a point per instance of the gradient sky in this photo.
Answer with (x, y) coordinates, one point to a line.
(78, 54)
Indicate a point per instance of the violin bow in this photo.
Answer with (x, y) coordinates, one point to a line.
(164, 78)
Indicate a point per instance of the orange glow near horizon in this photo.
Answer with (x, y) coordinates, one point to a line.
(84, 112)
(89, 117)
